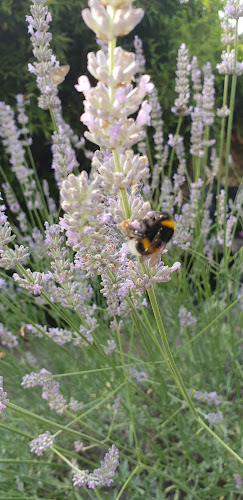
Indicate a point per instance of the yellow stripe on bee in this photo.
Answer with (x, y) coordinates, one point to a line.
(168, 223)
(146, 243)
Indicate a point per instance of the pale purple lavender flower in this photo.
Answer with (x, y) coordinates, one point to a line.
(238, 481)
(111, 346)
(230, 223)
(139, 376)
(2, 283)
(104, 475)
(182, 87)
(15, 207)
(196, 78)
(184, 230)
(78, 446)
(228, 35)
(35, 379)
(80, 478)
(64, 158)
(185, 317)
(9, 259)
(117, 403)
(74, 405)
(14, 146)
(208, 92)
(228, 65)
(195, 195)
(197, 132)
(208, 397)
(50, 389)
(42, 443)
(60, 335)
(140, 59)
(157, 124)
(7, 339)
(3, 396)
(220, 216)
(23, 118)
(234, 9)
(35, 282)
(214, 418)
(51, 204)
(38, 25)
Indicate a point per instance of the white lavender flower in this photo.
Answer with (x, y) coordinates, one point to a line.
(223, 112)
(3, 396)
(208, 95)
(101, 20)
(196, 77)
(42, 443)
(140, 59)
(230, 223)
(11, 257)
(182, 87)
(228, 65)
(78, 446)
(197, 132)
(74, 405)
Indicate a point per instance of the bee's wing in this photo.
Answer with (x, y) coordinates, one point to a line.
(155, 244)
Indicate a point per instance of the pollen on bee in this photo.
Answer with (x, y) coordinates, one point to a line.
(125, 224)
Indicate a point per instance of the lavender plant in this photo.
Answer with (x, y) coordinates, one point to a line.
(78, 294)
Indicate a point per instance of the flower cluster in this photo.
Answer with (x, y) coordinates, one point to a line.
(185, 317)
(182, 82)
(7, 339)
(3, 396)
(42, 443)
(102, 476)
(50, 389)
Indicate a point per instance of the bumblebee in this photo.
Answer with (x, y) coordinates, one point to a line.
(151, 234)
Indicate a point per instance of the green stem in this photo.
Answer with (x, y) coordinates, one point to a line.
(47, 215)
(137, 470)
(138, 450)
(172, 154)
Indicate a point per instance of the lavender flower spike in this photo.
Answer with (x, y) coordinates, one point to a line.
(42, 443)
(3, 396)
(182, 87)
(102, 476)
